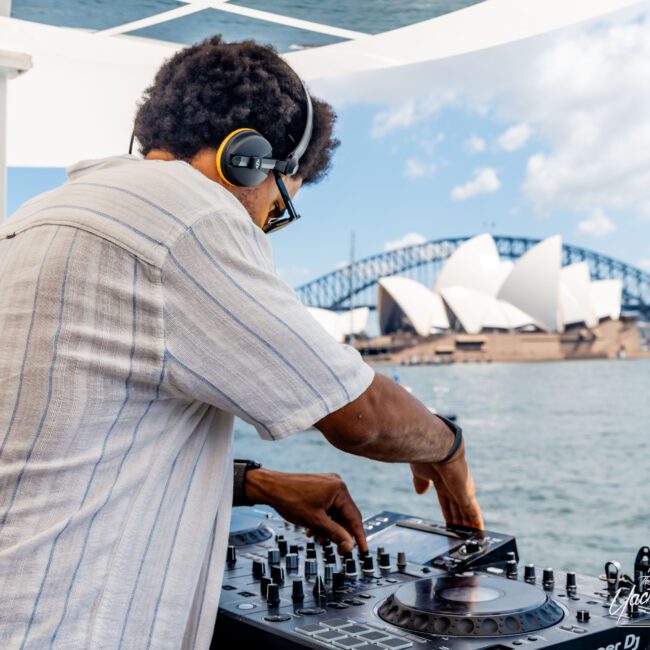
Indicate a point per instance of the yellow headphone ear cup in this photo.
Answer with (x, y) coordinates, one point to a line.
(247, 143)
(222, 148)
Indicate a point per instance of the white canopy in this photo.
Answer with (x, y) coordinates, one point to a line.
(79, 100)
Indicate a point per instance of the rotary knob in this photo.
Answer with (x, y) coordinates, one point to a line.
(311, 567)
(582, 615)
(264, 584)
(384, 561)
(511, 569)
(311, 553)
(571, 584)
(273, 595)
(259, 569)
(231, 555)
(297, 591)
(328, 572)
(283, 547)
(274, 556)
(277, 574)
(401, 560)
(548, 578)
(368, 568)
(350, 568)
(319, 588)
(294, 548)
(311, 545)
(291, 562)
(338, 581)
(380, 550)
(529, 573)
(472, 546)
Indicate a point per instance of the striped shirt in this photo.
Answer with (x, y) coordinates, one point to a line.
(140, 312)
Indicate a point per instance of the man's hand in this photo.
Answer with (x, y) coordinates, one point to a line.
(320, 502)
(455, 487)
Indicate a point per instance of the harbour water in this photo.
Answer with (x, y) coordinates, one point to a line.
(560, 453)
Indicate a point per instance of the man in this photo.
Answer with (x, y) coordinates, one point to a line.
(141, 312)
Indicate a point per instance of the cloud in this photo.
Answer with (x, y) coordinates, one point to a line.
(485, 181)
(408, 113)
(410, 239)
(644, 264)
(474, 144)
(414, 168)
(515, 137)
(583, 90)
(597, 224)
(392, 119)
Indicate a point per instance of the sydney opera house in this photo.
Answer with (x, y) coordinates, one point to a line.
(485, 308)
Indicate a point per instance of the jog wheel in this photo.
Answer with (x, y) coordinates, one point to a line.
(470, 605)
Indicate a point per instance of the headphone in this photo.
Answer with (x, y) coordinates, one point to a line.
(244, 159)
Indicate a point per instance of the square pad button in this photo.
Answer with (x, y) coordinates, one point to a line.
(328, 635)
(348, 642)
(395, 644)
(355, 629)
(310, 629)
(374, 635)
(336, 622)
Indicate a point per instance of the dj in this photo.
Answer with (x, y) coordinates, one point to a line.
(140, 312)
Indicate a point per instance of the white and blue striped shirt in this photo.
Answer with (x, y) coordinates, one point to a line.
(139, 313)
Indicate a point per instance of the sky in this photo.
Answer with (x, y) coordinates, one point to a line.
(546, 136)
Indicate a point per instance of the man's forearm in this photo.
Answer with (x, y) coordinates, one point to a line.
(387, 423)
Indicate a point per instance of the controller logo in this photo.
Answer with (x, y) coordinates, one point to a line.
(629, 604)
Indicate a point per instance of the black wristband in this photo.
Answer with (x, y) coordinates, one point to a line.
(458, 438)
(240, 469)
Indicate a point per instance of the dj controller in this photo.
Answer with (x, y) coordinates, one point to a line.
(423, 584)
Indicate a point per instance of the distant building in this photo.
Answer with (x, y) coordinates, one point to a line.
(478, 292)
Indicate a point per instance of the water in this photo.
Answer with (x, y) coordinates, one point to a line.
(559, 452)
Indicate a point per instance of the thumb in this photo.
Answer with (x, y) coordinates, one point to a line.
(421, 485)
(329, 529)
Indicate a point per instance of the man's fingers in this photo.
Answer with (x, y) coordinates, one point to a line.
(350, 517)
(421, 485)
(328, 528)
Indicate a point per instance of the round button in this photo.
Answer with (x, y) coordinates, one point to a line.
(310, 611)
(246, 606)
(277, 618)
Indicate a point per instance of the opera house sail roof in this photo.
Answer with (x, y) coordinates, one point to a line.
(476, 291)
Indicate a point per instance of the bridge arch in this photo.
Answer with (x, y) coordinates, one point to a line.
(357, 283)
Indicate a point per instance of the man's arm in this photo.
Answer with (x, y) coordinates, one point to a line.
(387, 423)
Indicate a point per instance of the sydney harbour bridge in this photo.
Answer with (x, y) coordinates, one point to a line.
(355, 284)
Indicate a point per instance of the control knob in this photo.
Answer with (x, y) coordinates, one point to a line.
(401, 560)
(529, 573)
(511, 569)
(273, 595)
(264, 584)
(384, 561)
(291, 562)
(311, 567)
(231, 555)
(472, 546)
(277, 574)
(297, 591)
(283, 547)
(274, 556)
(368, 568)
(548, 578)
(319, 588)
(571, 584)
(259, 568)
(582, 615)
(350, 568)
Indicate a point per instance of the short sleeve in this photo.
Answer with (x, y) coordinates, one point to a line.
(238, 337)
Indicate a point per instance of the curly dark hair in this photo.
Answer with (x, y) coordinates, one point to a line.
(206, 91)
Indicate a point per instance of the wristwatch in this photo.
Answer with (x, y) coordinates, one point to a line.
(240, 468)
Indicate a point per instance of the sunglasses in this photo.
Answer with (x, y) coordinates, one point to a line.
(280, 221)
